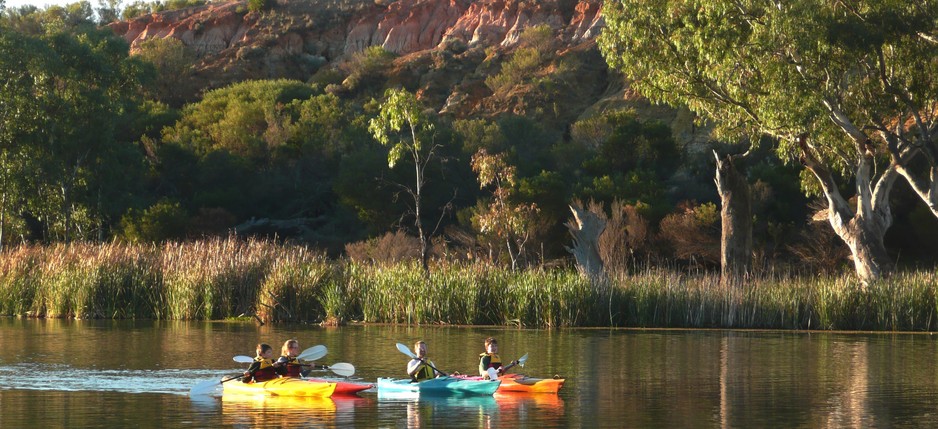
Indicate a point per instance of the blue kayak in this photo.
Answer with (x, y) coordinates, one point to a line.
(439, 386)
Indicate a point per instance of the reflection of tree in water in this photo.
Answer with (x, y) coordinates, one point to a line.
(850, 406)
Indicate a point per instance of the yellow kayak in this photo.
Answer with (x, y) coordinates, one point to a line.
(281, 387)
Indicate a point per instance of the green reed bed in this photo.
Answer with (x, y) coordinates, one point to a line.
(301, 285)
(473, 294)
(392, 294)
(19, 278)
(906, 301)
(218, 279)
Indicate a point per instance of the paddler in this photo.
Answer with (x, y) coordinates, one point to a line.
(263, 368)
(490, 359)
(419, 368)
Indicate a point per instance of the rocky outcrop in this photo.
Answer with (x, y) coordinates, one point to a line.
(208, 30)
(296, 37)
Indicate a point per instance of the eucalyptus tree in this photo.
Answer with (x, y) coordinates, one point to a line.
(504, 219)
(64, 97)
(403, 124)
(847, 87)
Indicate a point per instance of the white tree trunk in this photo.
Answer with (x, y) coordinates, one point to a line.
(736, 219)
(863, 229)
(585, 229)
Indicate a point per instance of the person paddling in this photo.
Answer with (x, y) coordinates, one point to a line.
(420, 368)
(290, 366)
(490, 359)
(263, 368)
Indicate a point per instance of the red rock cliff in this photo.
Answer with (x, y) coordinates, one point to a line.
(278, 43)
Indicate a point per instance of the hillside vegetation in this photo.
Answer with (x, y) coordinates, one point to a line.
(226, 119)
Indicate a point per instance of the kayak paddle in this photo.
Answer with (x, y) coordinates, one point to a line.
(342, 369)
(313, 353)
(405, 350)
(521, 360)
(208, 386)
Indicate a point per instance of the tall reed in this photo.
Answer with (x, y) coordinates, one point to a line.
(223, 278)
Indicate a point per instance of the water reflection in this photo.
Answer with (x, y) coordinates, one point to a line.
(132, 373)
(546, 405)
(501, 410)
(440, 411)
(284, 411)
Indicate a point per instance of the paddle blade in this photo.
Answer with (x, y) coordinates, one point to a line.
(313, 353)
(405, 350)
(342, 369)
(522, 360)
(243, 359)
(493, 374)
(204, 387)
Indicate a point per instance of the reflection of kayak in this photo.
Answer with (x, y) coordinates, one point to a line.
(344, 387)
(281, 387)
(519, 400)
(281, 411)
(259, 402)
(439, 386)
(521, 383)
(446, 401)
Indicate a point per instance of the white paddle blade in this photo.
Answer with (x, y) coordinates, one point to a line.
(243, 359)
(405, 350)
(313, 353)
(342, 369)
(204, 387)
(493, 374)
(522, 360)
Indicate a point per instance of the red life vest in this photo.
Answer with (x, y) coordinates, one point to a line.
(264, 370)
(291, 368)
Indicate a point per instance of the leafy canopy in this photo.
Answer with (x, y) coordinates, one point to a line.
(822, 68)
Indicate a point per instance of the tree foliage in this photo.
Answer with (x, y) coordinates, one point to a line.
(842, 85)
(65, 108)
(503, 220)
(172, 60)
(404, 127)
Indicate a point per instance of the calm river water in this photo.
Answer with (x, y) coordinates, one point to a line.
(56, 373)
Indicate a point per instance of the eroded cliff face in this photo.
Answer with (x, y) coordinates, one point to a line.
(296, 37)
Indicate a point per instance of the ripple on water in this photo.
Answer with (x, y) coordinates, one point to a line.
(65, 378)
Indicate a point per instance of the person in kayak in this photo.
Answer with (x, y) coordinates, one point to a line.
(490, 359)
(420, 368)
(263, 368)
(290, 366)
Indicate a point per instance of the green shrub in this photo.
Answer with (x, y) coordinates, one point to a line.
(260, 5)
(162, 221)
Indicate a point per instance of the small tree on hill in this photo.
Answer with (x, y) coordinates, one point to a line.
(507, 221)
(403, 125)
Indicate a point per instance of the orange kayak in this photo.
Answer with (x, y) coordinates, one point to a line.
(281, 387)
(521, 383)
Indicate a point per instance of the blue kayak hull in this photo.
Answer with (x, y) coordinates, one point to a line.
(439, 386)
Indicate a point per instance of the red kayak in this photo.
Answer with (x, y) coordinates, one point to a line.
(344, 388)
